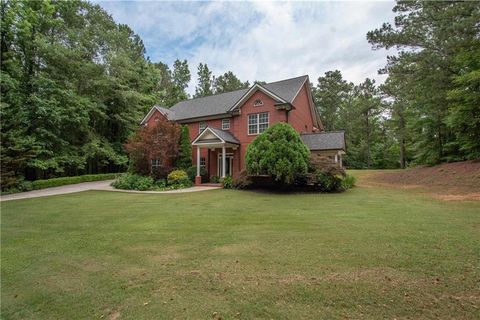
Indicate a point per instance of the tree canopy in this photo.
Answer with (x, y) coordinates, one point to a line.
(278, 152)
(435, 79)
(74, 84)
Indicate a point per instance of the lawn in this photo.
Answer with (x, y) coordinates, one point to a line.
(372, 252)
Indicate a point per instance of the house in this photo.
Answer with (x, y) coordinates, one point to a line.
(221, 126)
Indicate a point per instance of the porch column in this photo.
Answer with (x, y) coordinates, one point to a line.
(340, 160)
(336, 158)
(198, 178)
(224, 162)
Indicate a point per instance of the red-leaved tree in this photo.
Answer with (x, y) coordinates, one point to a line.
(154, 143)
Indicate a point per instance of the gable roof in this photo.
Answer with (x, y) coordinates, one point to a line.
(223, 136)
(334, 140)
(166, 112)
(222, 104)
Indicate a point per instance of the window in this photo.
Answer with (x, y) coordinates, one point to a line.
(257, 123)
(203, 163)
(201, 126)
(258, 103)
(225, 124)
(156, 163)
(157, 119)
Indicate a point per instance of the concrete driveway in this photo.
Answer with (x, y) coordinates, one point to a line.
(97, 185)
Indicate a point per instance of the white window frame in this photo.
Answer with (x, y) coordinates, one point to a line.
(256, 125)
(258, 103)
(156, 163)
(225, 124)
(203, 162)
(202, 125)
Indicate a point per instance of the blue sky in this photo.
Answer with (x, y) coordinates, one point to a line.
(266, 41)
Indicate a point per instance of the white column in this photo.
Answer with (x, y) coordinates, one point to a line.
(198, 161)
(224, 162)
(340, 157)
(336, 158)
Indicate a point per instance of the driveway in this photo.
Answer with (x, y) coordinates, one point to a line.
(85, 186)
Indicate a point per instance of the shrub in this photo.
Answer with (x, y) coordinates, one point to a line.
(158, 142)
(227, 182)
(348, 182)
(177, 177)
(131, 181)
(214, 179)
(55, 182)
(25, 185)
(192, 173)
(184, 160)
(242, 181)
(327, 182)
(161, 183)
(278, 152)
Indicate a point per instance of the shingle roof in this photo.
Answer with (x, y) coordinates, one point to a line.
(225, 135)
(334, 140)
(286, 89)
(167, 112)
(207, 106)
(221, 103)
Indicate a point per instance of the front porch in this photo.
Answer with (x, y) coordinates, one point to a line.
(218, 152)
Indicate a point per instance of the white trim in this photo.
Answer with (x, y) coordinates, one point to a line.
(315, 114)
(259, 104)
(150, 114)
(300, 89)
(198, 161)
(224, 161)
(205, 130)
(251, 91)
(223, 127)
(228, 156)
(200, 130)
(258, 123)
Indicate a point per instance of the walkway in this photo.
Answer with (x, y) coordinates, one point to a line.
(85, 186)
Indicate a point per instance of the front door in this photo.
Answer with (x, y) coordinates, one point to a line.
(228, 165)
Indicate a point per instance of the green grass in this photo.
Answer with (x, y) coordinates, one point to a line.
(367, 253)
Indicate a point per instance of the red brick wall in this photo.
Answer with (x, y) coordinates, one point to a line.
(152, 121)
(300, 118)
(241, 122)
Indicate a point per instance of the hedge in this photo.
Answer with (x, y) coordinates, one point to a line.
(55, 182)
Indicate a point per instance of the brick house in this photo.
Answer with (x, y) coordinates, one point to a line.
(221, 126)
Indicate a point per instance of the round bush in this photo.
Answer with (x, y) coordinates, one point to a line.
(177, 177)
(278, 152)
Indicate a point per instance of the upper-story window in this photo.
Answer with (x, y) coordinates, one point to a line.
(201, 126)
(257, 122)
(225, 124)
(258, 103)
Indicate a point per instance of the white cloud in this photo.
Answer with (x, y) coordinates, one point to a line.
(261, 40)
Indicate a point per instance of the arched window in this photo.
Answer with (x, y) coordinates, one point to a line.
(258, 103)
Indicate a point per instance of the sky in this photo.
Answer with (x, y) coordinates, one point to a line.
(266, 41)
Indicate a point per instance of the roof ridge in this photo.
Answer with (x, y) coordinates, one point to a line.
(218, 94)
(323, 132)
(305, 75)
